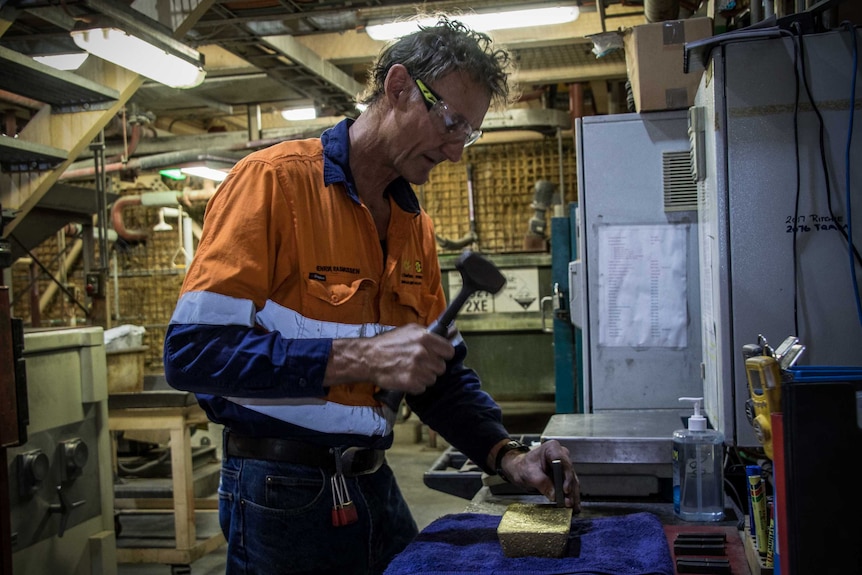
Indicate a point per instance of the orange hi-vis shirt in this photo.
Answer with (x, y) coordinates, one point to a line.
(289, 260)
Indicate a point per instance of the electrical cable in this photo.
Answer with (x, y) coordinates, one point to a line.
(850, 28)
(853, 252)
(146, 466)
(822, 133)
(798, 188)
(738, 504)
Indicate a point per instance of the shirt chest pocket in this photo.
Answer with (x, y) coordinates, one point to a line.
(411, 304)
(339, 302)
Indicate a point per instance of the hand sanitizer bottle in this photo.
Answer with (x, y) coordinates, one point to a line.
(698, 469)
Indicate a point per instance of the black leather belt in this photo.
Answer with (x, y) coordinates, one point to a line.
(354, 460)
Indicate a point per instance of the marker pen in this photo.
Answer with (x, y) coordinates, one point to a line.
(758, 504)
(749, 471)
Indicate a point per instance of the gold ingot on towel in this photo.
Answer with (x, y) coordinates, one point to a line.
(535, 530)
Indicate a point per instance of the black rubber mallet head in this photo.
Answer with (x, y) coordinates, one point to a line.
(477, 274)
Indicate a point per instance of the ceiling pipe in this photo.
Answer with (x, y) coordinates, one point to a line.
(20, 100)
(532, 95)
(189, 196)
(158, 199)
(151, 162)
(576, 101)
(127, 201)
(134, 139)
(152, 199)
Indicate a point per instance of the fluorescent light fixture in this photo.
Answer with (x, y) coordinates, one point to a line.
(71, 61)
(299, 114)
(205, 172)
(517, 18)
(141, 57)
(173, 174)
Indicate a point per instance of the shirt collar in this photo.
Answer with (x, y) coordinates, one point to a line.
(336, 168)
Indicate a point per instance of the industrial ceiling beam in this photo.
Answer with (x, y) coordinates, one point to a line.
(22, 192)
(312, 62)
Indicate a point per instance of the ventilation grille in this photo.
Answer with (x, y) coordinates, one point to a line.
(680, 189)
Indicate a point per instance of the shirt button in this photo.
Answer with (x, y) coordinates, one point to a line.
(334, 299)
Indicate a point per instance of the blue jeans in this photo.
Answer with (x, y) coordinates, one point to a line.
(277, 519)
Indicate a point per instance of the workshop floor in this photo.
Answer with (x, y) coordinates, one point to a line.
(411, 456)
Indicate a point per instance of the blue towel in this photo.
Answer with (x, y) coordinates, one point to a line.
(632, 544)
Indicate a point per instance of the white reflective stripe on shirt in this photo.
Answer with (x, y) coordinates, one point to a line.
(208, 308)
(322, 416)
(293, 325)
(308, 412)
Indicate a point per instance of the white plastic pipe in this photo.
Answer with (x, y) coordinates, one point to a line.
(186, 224)
(188, 244)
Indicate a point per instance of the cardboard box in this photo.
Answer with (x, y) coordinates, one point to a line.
(654, 62)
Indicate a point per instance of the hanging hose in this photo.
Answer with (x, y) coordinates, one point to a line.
(472, 236)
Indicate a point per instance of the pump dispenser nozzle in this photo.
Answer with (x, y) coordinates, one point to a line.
(696, 422)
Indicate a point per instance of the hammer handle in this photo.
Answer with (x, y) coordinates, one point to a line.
(440, 326)
(390, 398)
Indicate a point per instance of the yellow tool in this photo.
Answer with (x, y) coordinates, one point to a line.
(764, 385)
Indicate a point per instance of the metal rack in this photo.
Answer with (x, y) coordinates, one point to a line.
(64, 91)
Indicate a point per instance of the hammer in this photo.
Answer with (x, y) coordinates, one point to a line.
(477, 274)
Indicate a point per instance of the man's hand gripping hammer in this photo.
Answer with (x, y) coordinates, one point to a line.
(477, 274)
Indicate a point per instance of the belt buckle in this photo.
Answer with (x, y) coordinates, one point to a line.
(360, 461)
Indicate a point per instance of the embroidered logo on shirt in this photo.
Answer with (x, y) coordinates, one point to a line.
(411, 272)
(318, 277)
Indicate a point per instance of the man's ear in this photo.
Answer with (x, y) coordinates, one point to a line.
(397, 85)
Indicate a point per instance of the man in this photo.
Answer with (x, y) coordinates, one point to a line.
(311, 290)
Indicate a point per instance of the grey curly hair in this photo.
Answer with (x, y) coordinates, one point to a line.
(448, 46)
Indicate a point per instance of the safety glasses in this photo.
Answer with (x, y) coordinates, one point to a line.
(448, 121)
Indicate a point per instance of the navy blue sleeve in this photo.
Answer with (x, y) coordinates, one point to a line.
(242, 361)
(458, 409)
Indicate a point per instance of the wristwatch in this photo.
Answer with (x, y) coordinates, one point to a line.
(512, 445)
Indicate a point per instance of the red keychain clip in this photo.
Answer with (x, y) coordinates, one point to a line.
(343, 510)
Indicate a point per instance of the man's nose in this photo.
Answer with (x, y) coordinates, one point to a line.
(453, 150)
